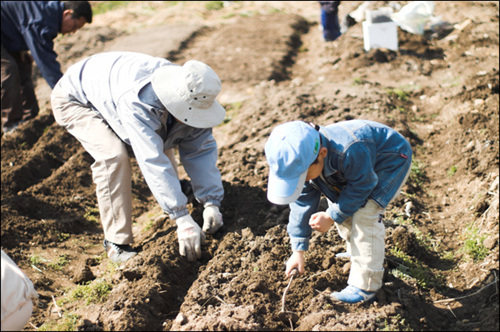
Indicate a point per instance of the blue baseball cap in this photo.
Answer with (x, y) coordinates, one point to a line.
(290, 150)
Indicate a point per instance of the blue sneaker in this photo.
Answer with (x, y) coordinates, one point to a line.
(352, 294)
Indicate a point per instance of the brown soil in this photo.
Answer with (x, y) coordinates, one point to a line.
(275, 67)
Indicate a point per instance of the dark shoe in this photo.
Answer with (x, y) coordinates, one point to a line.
(186, 187)
(118, 253)
(352, 294)
(9, 129)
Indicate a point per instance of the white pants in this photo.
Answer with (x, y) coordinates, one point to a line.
(364, 234)
(111, 169)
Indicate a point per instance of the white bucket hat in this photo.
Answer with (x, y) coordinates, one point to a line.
(188, 92)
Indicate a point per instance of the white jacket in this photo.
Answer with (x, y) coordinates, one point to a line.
(17, 288)
(117, 85)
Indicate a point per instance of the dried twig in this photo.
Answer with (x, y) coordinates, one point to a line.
(448, 306)
(463, 297)
(319, 273)
(218, 298)
(33, 266)
(57, 309)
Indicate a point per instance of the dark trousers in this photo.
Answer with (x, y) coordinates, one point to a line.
(331, 26)
(18, 92)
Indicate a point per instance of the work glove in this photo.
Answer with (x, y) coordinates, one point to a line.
(212, 219)
(190, 237)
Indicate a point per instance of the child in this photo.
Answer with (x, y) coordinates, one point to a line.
(360, 166)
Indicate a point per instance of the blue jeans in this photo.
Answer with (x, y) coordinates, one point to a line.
(331, 26)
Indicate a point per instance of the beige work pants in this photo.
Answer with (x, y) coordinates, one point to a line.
(364, 234)
(111, 169)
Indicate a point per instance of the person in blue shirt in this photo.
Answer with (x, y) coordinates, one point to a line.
(113, 100)
(28, 31)
(360, 166)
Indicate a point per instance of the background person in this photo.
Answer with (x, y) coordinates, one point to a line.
(28, 31)
(18, 295)
(360, 166)
(117, 99)
(329, 11)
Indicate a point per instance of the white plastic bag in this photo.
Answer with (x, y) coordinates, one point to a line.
(414, 16)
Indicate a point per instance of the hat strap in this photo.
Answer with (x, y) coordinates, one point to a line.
(315, 126)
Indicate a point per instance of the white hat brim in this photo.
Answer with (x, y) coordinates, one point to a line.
(164, 84)
(282, 192)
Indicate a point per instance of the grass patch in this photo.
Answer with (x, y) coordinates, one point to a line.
(214, 5)
(398, 93)
(414, 271)
(473, 244)
(417, 176)
(92, 214)
(68, 322)
(95, 291)
(451, 171)
(100, 7)
(395, 323)
(59, 263)
(231, 110)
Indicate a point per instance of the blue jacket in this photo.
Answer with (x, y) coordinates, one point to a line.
(365, 160)
(117, 85)
(33, 25)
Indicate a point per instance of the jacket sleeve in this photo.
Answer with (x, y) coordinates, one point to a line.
(198, 154)
(300, 212)
(140, 125)
(39, 39)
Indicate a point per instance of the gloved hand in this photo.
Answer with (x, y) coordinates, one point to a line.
(190, 237)
(212, 219)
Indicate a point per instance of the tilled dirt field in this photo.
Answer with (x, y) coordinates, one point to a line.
(439, 90)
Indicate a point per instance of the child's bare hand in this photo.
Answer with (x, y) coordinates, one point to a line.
(321, 222)
(296, 261)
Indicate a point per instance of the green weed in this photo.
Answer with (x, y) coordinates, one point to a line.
(358, 81)
(95, 291)
(398, 93)
(452, 170)
(35, 260)
(38, 262)
(214, 5)
(396, 323)
(59, 263)
(416, 177)
(68, 322)
(92, 214)
(473, 244)
(62, 236)
(231, 110)
(414, 271)
(100, 7)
